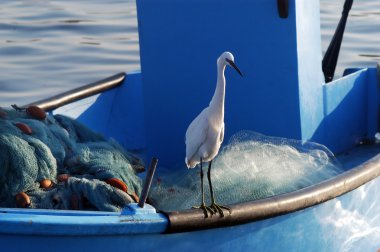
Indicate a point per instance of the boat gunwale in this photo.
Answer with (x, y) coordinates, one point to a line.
(251, 211)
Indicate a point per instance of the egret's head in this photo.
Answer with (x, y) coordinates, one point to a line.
(228, 59)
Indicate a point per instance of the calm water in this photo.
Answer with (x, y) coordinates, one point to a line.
(361, 42)
(49, 46)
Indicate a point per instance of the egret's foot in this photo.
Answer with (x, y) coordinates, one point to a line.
(219, 209)
(205, 209)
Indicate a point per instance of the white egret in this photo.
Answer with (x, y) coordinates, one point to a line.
(206, 132)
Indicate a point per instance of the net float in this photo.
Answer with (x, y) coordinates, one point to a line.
(117, 183)
(24, 128)
(46, 183)
(36, 112)
(22, 200)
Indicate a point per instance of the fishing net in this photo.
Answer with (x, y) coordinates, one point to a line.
(252, 166)
(34, 150)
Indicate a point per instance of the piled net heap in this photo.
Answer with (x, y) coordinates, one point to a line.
(54, 162)
(251, 167)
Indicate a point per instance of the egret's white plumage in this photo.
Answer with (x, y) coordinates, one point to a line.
(205, 133)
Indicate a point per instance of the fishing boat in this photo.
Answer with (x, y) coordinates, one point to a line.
(277, 44)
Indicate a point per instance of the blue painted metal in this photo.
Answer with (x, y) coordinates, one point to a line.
(117, 113)
(350, 110)
(73, 223)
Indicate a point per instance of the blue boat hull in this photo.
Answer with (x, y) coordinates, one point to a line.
(342, 224)
(336, 215)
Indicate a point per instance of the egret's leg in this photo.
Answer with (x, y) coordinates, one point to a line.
(203, 206)
(216, 207)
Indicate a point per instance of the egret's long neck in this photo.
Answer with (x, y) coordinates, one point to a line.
(217, 101)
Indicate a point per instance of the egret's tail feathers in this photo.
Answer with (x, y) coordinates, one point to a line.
(189, 163)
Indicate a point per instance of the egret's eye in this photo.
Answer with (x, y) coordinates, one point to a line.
(228, 60)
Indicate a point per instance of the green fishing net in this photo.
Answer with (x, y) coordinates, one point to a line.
(250, 167)
(60, 145)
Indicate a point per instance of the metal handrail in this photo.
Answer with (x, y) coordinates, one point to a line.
(79, 93)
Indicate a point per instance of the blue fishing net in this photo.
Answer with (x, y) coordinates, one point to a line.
(251, 166)
(61, 145)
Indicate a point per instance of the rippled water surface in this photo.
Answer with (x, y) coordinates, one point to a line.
(49, 46)
(361, 42)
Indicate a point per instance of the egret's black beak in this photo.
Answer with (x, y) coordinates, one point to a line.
(234, 66)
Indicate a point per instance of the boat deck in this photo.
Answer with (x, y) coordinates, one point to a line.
(358, 155)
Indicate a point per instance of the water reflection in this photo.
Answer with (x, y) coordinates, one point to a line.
(352, 223)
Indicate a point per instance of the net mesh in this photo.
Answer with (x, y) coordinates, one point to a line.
(61, 145)
(252, 166)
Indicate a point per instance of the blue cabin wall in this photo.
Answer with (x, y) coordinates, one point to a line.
(126, 120)
(280, 93)
(310, 76)
(351, 109)
(93, 111)
(117, 113)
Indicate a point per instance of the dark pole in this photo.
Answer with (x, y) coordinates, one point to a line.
(331, 57)
(148, 182)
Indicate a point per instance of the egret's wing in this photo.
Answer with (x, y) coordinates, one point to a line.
(196, 134)
(221, 134)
